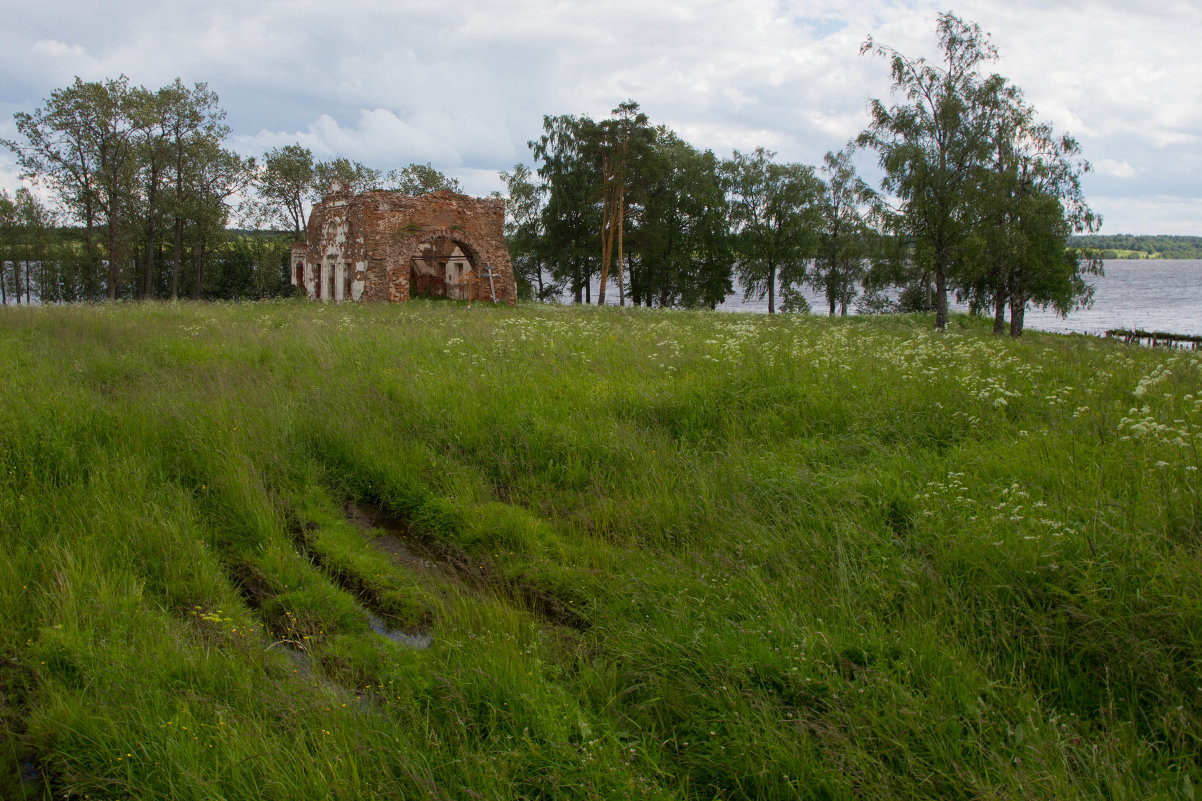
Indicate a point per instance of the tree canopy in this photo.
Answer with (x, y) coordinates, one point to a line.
(987, 195)
(120, 160)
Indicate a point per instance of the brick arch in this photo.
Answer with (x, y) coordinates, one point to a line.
(471, 248)
(477, 253)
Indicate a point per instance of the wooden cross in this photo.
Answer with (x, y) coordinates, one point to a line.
(471, 280)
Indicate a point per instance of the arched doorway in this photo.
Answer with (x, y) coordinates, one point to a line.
(440, 268)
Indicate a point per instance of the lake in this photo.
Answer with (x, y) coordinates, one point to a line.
(1153, 295)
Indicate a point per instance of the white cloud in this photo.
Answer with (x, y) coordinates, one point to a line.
(1150, 214)
(464, 84)
(57, 49)
(1116, 169)
(381, 138)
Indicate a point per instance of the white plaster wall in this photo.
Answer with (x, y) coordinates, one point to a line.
(336, 233)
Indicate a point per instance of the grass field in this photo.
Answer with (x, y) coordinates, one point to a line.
(303, 551)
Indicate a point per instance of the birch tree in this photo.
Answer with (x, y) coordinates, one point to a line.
(844, 233)
(933, 145)
(773, 215)
(285, 183)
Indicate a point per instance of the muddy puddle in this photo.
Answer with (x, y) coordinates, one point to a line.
(391, 535)
(409, 554)
(31, 774)
(417, 640)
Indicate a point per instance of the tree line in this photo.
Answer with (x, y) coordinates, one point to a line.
(626, 204)
(1141, 246)
(43, 261)
(978, 200)
(144, 193)
(142, 174)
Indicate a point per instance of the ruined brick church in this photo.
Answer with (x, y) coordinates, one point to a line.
(383, 245)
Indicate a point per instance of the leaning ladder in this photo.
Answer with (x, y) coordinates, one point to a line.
(491, 287)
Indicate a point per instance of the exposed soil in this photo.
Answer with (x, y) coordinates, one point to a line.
(250, 585)
(409, 554)
(394, 536)
(416, 639)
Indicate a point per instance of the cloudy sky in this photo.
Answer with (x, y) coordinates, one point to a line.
(464, 84)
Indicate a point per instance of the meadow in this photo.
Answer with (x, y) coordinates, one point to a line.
(302, 551)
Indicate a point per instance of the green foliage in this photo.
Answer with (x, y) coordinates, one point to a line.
(249, 266)
(988, 193)
(680, 247)
(932, 145)
(285, 184)
(124, 161)
(571, 227)
(523, 231)
(845, 236)
(632, 202)
(774, 214)
(419, 179)
(353, 176)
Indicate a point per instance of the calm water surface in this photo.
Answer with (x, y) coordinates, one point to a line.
(1151, 295)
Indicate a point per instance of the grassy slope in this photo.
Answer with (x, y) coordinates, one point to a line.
(660, 554)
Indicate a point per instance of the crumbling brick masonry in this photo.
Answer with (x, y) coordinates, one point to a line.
(388, 246)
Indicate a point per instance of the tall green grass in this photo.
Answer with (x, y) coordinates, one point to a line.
(658, 554)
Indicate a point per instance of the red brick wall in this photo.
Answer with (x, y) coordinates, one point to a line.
(386, 229)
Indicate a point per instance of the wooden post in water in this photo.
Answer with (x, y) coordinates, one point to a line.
(1156, 339)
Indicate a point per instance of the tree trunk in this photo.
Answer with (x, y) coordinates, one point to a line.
(772, 289)
(179, 196)
(608, 201)
(148, 289)
(42, 273)
(179, 234)
(999, 310)
(198, 266)
(1018, 306)
(89, 276)
(940, 297)
(621, 226)
(114, 264)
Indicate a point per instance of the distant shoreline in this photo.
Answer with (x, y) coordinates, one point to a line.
(1140, 247)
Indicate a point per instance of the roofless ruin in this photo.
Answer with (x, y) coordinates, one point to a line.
(383, 245)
